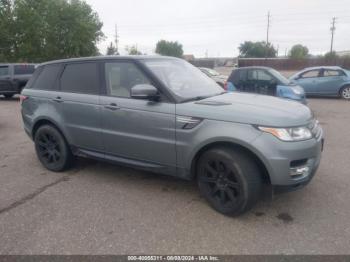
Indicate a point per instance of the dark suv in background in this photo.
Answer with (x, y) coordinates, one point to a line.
(13, 77)
(164, 115)
(265, 81)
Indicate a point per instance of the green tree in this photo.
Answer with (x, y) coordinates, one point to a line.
(330, 56)
(299, 52)
(111, 50)
(132, 50)
(169, 48)
(52, 29)
(6, 28)
(256, 49)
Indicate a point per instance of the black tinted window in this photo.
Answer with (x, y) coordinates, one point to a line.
(80, 78)
(46, 79)
(24, 69)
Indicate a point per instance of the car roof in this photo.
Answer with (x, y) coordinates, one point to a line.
(113, 57)
(8, 64)
(322, 67)
(255, 67)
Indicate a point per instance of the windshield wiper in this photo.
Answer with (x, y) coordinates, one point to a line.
(196, 98)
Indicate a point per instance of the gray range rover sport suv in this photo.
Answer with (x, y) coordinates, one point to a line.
(163, 115)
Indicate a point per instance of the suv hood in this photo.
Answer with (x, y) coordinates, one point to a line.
(249, 109)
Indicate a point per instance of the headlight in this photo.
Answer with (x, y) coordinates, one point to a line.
(297, 92)
(288, 134)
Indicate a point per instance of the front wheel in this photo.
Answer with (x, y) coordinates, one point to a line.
(229, 179)
(345, 92)
(52, 149)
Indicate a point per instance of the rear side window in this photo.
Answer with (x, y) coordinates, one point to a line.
(46, 79)
(4, 70)
(24, 69)
(80, 78)
(333, 73)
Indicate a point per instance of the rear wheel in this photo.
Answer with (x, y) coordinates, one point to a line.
(345, 92)
(229, 180)
(8, 95)
(52, 149)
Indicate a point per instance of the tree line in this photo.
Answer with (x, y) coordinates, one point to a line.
(41, 30)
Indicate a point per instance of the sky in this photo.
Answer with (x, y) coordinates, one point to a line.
(215, 28)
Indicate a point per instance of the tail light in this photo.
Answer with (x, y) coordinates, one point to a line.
(22, 98)
(225, 86)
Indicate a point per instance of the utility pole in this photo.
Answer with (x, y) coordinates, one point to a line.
(332, 30)
(116, 39)
(267, 33)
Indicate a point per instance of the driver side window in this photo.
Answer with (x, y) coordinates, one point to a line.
(122, 76)
(310, 74)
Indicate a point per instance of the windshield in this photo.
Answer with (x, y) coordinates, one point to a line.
(279, 77)
(183, 79)
(24, 69)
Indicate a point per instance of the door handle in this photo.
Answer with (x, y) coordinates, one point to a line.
(58, 99)
(112, 106)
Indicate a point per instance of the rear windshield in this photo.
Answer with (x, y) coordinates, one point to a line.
(4, 70)
(24, 69)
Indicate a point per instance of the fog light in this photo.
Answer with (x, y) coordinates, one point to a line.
(299, 171)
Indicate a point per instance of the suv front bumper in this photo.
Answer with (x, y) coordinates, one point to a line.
(291, 165)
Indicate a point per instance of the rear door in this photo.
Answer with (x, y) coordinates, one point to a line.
(136, 129)
(79, 98)
(330, 81)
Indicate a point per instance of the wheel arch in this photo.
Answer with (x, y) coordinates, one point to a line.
(343, 86)
(261, 165)
(45, 121)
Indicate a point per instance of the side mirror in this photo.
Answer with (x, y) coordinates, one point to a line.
(144, 91)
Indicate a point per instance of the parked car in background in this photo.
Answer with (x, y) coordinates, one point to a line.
(162, 114)
(216, 76)
(324, 81)
(265, 81)
(13, 77)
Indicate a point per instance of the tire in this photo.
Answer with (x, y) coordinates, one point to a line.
(229, 180)
(52, 149)
(8, 95)
(345, 92)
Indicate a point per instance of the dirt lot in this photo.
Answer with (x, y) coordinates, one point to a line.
(98, 208)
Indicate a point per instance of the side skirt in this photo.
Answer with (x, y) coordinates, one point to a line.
(132, 163)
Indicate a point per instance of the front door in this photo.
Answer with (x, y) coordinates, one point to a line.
(136, 129)
(309, 80)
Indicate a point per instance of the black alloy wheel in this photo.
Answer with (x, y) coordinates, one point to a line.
(229, 180)
(52, 149)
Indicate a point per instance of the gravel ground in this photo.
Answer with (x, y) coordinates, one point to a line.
(99, 208)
